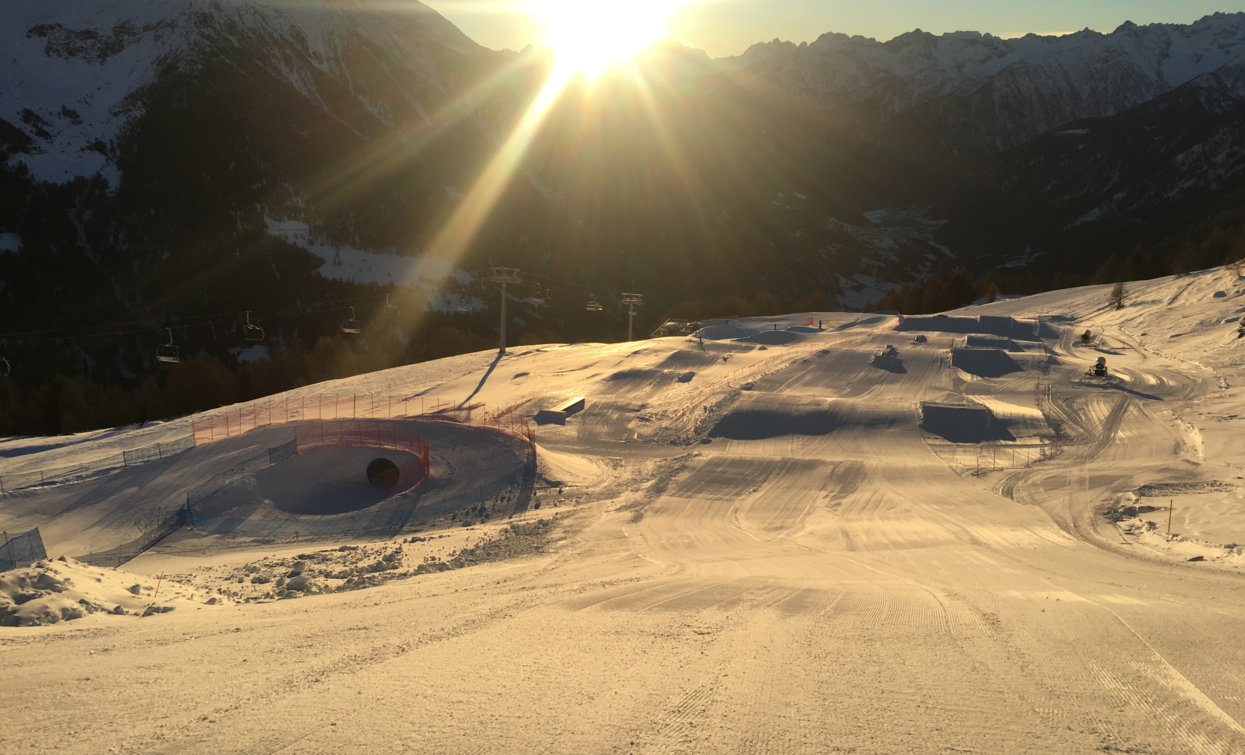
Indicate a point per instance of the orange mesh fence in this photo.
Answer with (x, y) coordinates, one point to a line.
(369, 434)
(234, 421)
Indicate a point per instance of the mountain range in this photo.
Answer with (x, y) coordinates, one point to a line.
(148, 146)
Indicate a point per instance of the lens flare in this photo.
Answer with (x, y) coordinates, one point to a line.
(588, 37)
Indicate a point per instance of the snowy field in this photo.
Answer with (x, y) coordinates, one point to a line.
(779, 538)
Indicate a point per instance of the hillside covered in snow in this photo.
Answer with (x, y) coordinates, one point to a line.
(804, 532)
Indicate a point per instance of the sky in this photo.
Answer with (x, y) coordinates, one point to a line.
(728, 27)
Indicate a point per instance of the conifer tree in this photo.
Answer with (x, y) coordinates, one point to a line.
(1119, 295)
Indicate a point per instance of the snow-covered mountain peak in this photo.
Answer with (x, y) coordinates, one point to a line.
(1042, 82)
(74, 68)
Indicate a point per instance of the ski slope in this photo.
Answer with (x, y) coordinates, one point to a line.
(775, 539)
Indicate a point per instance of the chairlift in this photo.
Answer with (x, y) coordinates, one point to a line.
(390, 309)
(169, 353)
(351, 326)
(252, 333)
(538, 297)
(464, 301)
(5, 368)
(593, 304)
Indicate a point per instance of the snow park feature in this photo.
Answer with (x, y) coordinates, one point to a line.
(980, 557)
(383, 473)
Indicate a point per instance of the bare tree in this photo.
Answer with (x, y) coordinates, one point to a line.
(1119, 295)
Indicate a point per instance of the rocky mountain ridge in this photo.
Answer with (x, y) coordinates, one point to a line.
(1013, 88)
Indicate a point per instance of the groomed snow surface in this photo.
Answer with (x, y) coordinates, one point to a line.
(887, 535)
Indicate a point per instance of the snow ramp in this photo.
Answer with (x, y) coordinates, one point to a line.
(760, 417)
(1012, 328)
(963, 423)
(986, 363)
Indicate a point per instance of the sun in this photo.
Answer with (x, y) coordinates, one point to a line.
(589, 36)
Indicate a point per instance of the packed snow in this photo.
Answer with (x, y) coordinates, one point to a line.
(824, 531)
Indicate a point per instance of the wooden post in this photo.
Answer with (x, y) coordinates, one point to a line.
(1171, 504)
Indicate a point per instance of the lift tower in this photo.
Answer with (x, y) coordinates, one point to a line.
(633, 302)
(503, 276)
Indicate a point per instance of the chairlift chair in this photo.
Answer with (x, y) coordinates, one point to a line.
(464, 301)
(5, 368)
(351, 326)
(539, 296)
(252, 333)
(169, 353)
(390, 309)
(593, 305)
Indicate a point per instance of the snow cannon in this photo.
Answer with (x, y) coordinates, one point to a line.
(383, 473)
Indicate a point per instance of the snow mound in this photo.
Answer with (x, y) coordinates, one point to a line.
(726, 332)
(52, 591)
(888, 359)
(774, 337)
(760, 417)
(637, 373)
(684, 358)
(963, 423)
(1002, 327)
(347, 568)
(990, 342)
(986, 363)
(564, 469)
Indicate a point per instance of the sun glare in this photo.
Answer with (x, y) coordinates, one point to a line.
(588, 36)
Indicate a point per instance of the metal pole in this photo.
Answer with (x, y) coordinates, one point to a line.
(504, 276)
(632, 301)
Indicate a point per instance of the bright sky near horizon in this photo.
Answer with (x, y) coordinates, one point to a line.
(728, 27)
